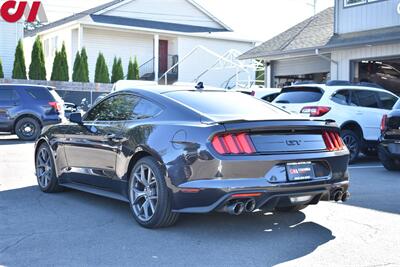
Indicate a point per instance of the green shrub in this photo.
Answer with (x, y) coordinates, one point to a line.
(55, 73)
(19, 68)
(37, 68)
(84, 68)
(101, 73)
(76, 68)
(133, 70)
(64, 70)
(117, 71)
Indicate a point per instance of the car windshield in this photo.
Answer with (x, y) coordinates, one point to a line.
(220, 105)
(293, 95)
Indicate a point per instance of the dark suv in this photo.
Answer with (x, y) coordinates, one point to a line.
(25, 109)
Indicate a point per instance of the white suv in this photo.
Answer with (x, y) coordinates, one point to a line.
(358, 110)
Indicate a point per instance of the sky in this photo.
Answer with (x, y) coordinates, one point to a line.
(250, 19)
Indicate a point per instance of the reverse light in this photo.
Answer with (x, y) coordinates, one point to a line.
(333, 141)
(383, 123)
(235, 144)
(315, 111)
(55, 105)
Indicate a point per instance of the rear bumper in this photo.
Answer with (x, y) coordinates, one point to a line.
(51, 121)
(270, 196)
(391, 148)
(266, 176)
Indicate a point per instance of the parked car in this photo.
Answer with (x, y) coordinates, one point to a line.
(358, 110)
(389, 143)
(168, 151)
(25, 109)
(69, 108)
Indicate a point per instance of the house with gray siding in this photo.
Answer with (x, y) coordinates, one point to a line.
(356, 40)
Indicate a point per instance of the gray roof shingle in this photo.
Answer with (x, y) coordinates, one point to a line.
(312, 33)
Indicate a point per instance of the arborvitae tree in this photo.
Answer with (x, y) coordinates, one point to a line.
(117, 71)
(84, 66)
(19, 69)
(1, 70)
(55, 73)
(77, 67)
(37, 69)
(101, 73)
(135, 69)
(64, 73)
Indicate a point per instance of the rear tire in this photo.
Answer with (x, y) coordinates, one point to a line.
(353, 143)
(149, 196)
(291, 208)
(387, 162)
(27, 129)
(46, 170)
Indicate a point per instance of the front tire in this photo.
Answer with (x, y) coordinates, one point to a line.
(27, 129)
(46, 170)
(150, 198)
(353, 143)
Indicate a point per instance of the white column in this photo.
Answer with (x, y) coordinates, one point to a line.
(155, 52)
(268, 76)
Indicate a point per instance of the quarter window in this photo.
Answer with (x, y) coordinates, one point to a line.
(387, 100)
(367, 99)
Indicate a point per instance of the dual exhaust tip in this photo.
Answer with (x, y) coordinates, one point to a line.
(239, 207)
(339, 195)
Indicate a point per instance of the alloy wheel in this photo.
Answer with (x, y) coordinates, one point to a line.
(144, 192)
(44, 168)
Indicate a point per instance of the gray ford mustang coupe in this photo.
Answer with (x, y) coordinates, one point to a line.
(168, 151)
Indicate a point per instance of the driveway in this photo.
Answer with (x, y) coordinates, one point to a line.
(78, 229)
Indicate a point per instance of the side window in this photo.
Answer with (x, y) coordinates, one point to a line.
(342, 97)
(387, 100)
(367, 99)
(115, 108)
(8, 94)
(145, 109)
(39, 93)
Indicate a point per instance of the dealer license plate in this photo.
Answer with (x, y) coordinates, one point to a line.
(300, 171)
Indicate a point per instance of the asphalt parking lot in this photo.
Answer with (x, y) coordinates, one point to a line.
(79, 229)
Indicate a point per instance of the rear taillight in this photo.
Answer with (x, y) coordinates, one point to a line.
(315, 111)
(384, 123)
(333, 141)
(233, 144)
(55, 105)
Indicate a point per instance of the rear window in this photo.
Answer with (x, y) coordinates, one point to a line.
(225, 104)
(299, 95)
(7, 94)
(40, 93)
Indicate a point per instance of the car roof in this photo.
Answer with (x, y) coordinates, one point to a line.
(26, 85)
(334, 88)
(163, 89)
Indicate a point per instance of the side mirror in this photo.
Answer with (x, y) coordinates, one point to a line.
(76, 118)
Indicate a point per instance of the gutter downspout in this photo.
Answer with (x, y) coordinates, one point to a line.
(330, 60)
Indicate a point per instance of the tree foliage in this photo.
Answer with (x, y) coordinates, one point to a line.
(60, 66)
(101, 73)
(19, 68)
(133, 70)
(117, 71)
(37, 68)
(76, 69)
(84, 66)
